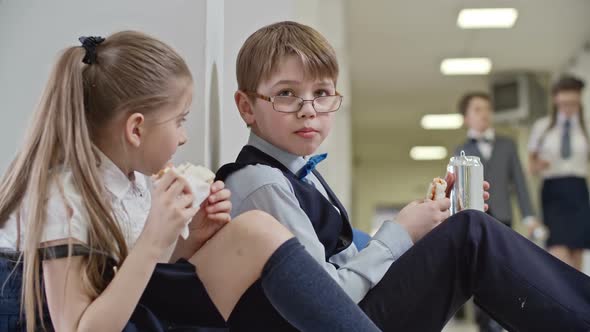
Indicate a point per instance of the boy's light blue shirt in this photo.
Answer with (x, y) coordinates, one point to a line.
(260, 187)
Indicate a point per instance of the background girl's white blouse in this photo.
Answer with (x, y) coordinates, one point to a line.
(548, 147)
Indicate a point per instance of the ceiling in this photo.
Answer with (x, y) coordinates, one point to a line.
(395, 49)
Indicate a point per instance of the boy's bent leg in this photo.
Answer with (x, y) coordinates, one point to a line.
(520, 285)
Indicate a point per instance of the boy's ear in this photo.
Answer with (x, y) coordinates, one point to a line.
(244, 107)
(134, 129)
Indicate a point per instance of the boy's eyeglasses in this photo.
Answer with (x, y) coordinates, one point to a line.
(292, 104)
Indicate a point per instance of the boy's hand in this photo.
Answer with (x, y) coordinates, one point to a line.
(213, 215)
(450, 179)
(420, 217)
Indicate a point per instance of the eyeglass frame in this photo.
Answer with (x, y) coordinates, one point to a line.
(271, 100)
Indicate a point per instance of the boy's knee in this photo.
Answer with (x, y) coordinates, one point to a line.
(469, 215)
(470, 219)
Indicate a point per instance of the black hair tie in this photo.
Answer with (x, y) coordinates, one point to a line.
(89, 44)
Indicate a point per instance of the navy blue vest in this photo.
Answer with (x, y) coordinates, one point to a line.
(332, 228)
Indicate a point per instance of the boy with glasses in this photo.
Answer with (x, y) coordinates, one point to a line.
(405, 279)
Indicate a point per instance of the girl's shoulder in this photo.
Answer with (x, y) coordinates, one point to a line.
(65, 215)
(61, 192)
(63, 189)
(542, 123)
(540, 127)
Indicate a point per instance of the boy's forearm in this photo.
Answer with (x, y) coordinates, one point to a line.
(113, 308)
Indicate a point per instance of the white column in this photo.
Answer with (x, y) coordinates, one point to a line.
(32, 33)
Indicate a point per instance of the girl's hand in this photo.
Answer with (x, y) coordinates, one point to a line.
(213, 215)
(170, 210)
(536, 166)
(450, 179)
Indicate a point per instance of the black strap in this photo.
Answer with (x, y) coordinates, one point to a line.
(54, 252)
(62, 251)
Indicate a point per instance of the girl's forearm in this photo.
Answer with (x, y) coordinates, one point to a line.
(113, 308)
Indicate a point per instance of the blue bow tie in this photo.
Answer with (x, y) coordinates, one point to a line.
(310, 165)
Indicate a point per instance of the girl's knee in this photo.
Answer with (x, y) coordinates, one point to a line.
(259, 226)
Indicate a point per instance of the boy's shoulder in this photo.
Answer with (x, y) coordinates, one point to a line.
(253, 177)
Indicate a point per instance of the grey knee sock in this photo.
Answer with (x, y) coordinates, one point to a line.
(306, 296)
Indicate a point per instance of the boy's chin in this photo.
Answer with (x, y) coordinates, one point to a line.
(303, 150)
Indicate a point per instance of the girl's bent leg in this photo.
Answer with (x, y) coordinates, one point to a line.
(257, 261)
(233, 259)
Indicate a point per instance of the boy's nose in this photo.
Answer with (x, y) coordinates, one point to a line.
(307, 110)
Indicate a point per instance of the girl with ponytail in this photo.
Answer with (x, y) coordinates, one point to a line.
(559, 150)
(87, 236)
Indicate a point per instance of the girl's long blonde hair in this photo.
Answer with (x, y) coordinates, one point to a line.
(133, 72)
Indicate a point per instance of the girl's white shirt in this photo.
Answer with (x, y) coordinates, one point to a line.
(548, 146)
(67, 216)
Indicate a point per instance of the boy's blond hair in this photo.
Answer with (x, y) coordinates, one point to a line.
(265, 48)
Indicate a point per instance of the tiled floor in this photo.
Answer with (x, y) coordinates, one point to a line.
(460, 327)
(455, 326)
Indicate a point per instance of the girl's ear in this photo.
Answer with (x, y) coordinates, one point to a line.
(134, 129)
(245, 107)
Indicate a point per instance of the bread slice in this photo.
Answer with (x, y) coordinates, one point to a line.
(199, 179)
(189, 170)
(436, 189)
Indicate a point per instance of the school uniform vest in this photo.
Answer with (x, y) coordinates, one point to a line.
(332, 228)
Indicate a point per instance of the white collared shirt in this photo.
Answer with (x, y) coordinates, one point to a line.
(484, 147)
(547, 144)
(293, 162)
(261, 187)
(67, 216)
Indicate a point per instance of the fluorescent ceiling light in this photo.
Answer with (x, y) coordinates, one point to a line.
(487, 18)
(428, 152)
(466, 66)
(442, 121)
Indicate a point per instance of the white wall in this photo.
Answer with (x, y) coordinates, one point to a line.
(580, 66)
(207, 33)
(33, 32)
